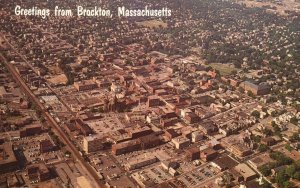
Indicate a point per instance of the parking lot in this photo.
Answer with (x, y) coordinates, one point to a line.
(198, 176)
(156, 173)
(163, 152)
(31, 150)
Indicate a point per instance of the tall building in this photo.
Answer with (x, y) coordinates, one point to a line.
(181, 142)
(193, 153)
(83, 127)
(261, 89)
(93, 143)
(126, 147)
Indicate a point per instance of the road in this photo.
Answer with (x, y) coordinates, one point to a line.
(51, 119)
(52, 122)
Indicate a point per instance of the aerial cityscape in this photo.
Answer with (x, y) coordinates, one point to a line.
(150, 94)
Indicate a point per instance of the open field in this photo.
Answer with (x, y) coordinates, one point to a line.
(153, 23)
(279, 8)
(224, 69)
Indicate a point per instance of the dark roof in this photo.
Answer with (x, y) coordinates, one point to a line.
(193, 150)
(149, 138)
(172, 132)
(208, 125)
(225, 162)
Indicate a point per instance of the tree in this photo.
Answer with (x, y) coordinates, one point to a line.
(288, 147)
(265, 170)
(294, 120)
(281, 178)
(271, 99)
(262, 148)
(250, 94)
(256, 138)
(280, 158)
(264, 109)
(237, 64)
(266, 184)
(255, 114)
(295, 137)
(276, 128)
(288, 184)
(273, 124)
(274, 113)
(290, 170)
(297, 175)
(267, 132)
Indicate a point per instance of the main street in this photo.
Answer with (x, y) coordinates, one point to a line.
(75, 153)
(53, 122)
